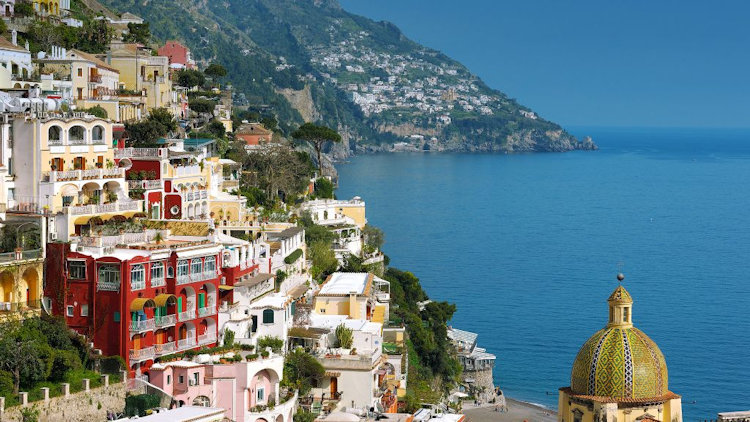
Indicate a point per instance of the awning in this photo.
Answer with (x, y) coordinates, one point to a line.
(254, 280)
(140, 303)
(298, 291)
(225, 287)
(165, 299)
(80, 221)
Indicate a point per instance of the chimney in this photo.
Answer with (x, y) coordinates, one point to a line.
(14, 37)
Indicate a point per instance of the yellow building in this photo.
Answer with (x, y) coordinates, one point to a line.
(142, 72)
(619, 375)
(47, 7)
(357, 295)
(21, 283)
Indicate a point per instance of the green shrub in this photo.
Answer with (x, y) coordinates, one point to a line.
(6, 383)
(265, 353)
(63, 362)
(274, 343)
(247, 347)
(138, 405)
(228, 338)
(112, 364)
(251, 356)
(344, 337)
(293, 257)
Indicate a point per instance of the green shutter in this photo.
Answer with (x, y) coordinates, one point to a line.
(179, 305)
(201, 300)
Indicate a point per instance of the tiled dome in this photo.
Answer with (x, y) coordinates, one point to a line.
(620, 361)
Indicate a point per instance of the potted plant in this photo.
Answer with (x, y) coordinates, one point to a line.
(265, 354)
(251, 357)
(158, 238)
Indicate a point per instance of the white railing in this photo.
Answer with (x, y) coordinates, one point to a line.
(187, 343)
(187, 315)
(129, 206)
(195, 277)
(189, 196)
(68, 175)
(107, 286)
(137, 153)
(207, 311)
(103, 208)
(144, 325)
(98, 142)
(207, 338)
(141, 354)
(152, 184)
(204, 194)
(166, 348)
(166, 320)
(187, 171)
(158, 282)
(55, 143)
(77, 141)
(183, 279)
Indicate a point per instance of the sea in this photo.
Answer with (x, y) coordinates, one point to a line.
(529, 245)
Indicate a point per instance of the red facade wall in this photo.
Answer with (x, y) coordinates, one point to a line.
(147, 166)
(152, 197)
(176, 52)
(172, 200)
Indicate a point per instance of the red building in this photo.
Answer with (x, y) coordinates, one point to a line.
(139, 299)
(178, 54)
(254, 134)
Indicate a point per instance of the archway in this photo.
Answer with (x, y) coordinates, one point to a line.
(279, 418)
(30, 286)
(6, 286)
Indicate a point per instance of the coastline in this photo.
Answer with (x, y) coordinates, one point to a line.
(517, 411)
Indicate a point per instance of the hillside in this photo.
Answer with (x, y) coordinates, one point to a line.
(311, 58)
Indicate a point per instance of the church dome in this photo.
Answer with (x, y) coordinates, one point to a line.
(620, 361)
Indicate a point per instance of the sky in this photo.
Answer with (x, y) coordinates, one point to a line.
(595, 63)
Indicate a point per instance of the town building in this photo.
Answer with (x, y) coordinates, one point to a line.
(179, 56)
(7, 8)
(253, 134)
(328, 212)
(356, 295)
(619, 374)
(184, 414)
(477, 364)
(140, 71)
(16, 69)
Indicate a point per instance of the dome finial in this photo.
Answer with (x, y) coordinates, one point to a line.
(620, 277)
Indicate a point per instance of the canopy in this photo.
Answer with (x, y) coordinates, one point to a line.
(140, 303)
(165, 299)
(225, 287)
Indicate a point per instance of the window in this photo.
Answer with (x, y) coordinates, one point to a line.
(268, 316)
(69, 310)
(261, 395)
(11, 194)
(169, 379)
(77, 135)
(210, 267)
(77, 270)
(67, 200)
(137, 277)
(195, 378)
(109, 278)
(170, 272)
(196, 266)
(626, 315)
(80, 72)
(182, 379)
(157, 274)
(182, 269)
(97, 134)
(116, 316)
(85, 310)
(53, 134)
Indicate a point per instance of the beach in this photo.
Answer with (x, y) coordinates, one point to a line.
(518, 411)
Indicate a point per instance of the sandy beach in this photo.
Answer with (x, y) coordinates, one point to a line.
(518, 411)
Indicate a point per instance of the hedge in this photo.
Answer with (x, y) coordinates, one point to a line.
(293, 257)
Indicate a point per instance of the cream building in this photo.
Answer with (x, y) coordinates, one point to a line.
(15, 64)
(66, 165)
(619, 374)
(356, 295)
(140, 71)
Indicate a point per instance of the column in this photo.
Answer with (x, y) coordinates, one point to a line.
(65, 389)
(105, 380)
(45, 394)
(24, 396)
(86, 384)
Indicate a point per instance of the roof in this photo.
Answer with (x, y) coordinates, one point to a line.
(298, 291)
(343, 284)
(462, 336)
(252, 129)
(272, 301)
(285, 234)
(254, 280)
(94, 59)
(620, 295)
(623, 400)
(7, 45)
(184, 414)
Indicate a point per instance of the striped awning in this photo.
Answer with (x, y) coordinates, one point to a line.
(140, 303)
(224, 287)
(165, 299)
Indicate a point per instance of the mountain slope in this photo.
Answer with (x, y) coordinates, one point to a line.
(312, 58)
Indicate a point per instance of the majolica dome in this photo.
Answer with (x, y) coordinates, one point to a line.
(620, 361)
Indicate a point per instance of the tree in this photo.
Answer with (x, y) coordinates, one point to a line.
(23, 8)
(217, 128)
(318, 137)
(21, 352)
(228, 338)
(215, 71)
(323, 258)
(374, 237)
(301, 369)
(164, 117)
(200, 105)
(190, 78)
(144, 133)
(137, 33)
(344, 337)
(323, 188)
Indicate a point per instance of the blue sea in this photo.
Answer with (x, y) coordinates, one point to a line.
(528, 246)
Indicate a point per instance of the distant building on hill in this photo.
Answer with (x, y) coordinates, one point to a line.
(477, 364)
(254, 134)
(179, 55)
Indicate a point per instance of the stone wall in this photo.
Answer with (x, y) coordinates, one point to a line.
(482, 379)
(78, 407)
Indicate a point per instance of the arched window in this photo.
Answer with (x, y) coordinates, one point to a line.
(268, 316)
(157, 274)
(54, 135)
(137, 277)
(97, 134)
(202, 401)
(210, 267)
(196, 266)
(182, 269)
(77, 135)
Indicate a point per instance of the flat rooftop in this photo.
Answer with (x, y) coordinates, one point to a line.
(185, 414)
(346, 283)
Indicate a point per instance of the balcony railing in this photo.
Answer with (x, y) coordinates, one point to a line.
(140, 153)
(195, 277)
(158, 282)
(97, 79)
(164, 349)
(144, 325)
(207, 311)
(141, 354)
(72, 141)
(187, 315)
(104, 208)
(165, 321)
(207, 338)
(187, 343)
(20, 306)
(187, 171)
(21, 256)
(144, 184)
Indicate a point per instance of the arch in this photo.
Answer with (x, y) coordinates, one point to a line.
(6, 286)
(202, 401)
(190, 211)
(97, 133)
(54, 133)
(30, 286)
(186, 330)
(125, 163)
(77, 134)
(280, 418)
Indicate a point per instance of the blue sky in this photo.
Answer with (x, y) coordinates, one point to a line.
(595, 63)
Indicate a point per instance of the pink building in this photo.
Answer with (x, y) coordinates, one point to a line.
(248, 391)
(178, 54)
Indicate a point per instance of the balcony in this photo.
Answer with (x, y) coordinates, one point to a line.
(105, 208)
(196, 277)
(72, 175)
(165, 321)
(164, 349)
(140, 355)
(207, 311)
(20, 256)
(187, 315)
(158, 282)
(144, 184)
(95, 79)
(207, 338)
(20, 306)
(140, 153)
(140, 326)
(187, 343)
(184, 171)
